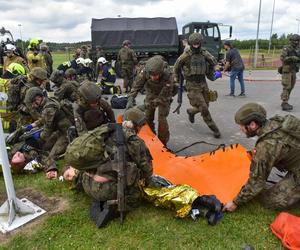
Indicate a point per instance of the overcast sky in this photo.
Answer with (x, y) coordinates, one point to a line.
(69, 21)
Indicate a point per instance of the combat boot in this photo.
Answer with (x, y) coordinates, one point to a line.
(286, 107)
(215, 130)
(191, 116)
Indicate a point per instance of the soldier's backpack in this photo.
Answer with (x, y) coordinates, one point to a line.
(289, 124)
(89, 150)
(14, 93)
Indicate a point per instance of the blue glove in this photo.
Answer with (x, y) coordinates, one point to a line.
(37, 135)
(217, 74)
(28, 127)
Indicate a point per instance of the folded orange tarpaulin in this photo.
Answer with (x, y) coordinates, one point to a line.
(287, 228)
(221, 173)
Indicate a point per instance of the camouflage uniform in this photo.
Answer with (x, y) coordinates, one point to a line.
(66, 90)
(195, 66)
(158, 94)
(128, 60)
(290, 58)
(47, 58)
(86, 117)
(276, 147)
(54, 122)
(100, 147)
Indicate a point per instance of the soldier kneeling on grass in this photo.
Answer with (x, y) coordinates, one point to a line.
(96, 160)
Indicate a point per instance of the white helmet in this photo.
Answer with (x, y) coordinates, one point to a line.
(10, 48)
(88, 61)
(80, 60)
(102, 60)
(4, 38)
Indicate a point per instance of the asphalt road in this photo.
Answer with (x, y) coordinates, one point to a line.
(263, 87)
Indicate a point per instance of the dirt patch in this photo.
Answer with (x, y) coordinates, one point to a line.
(52, 205)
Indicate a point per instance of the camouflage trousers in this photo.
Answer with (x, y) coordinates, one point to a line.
(288, 82)
(57, 145)
(163, 112)
(284, 194)
(198, 94)
(127, 75)
(108, 191)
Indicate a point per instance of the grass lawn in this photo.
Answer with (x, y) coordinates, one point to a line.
(147, 227)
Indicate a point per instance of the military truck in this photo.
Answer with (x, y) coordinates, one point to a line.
(151, 36)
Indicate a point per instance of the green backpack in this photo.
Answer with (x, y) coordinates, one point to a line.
(89, 150)
(289, 124)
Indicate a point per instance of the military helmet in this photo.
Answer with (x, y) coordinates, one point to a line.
(155, 65)
(16, 69)
(32, 93)
(57, 76)
(250, 112)
(195, 38)
(294, 37)
(70, 72)
(126, 42)
(89, 91)
(39, 73)
(136, 116)
(44, 47)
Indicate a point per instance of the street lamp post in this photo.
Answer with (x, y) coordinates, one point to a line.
(256, 43)
(20, 25)
(270, 41)
(298, 20)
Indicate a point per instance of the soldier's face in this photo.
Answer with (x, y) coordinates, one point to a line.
(18, 158)
(249, 130)
(69, 174)
(37, 102)
(9, 54)
(154, 77)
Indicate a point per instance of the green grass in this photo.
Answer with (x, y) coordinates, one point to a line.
(147, 227)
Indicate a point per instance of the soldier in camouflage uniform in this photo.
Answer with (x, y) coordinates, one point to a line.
(100, 183)
(70, 75)
(65, 90)
(127, 60)
(158, 82)
(90, 111)
(36, 78)
(55, 124)
(47, 58)
(196, 63)
(276, 146)
(290, 58)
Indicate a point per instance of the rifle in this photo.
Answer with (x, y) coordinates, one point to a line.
(180, 91)
(21, 135)
(121, 170)
(29, 134)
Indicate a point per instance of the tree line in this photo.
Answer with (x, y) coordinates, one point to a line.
(277, 42)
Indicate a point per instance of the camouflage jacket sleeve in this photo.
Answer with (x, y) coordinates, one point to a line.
(288, 56)
(66, 91)
(209, 58)
(78, 118)
(107, 110)
(179, 64)
(134, 58)
(166, 92)
(138, 84)
(139, 153)
(265, 155)
(48, 117)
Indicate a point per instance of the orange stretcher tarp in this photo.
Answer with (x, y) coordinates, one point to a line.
(287, 228)
(221, 173)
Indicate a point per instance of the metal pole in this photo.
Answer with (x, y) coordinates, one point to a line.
(270, 41)
(20, 25)
(256, 43)
(298, 20)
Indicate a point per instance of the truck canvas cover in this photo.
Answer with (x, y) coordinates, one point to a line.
(152, 33)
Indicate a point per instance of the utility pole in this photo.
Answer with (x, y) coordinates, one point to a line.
(270, 41)
(298, 20)
(22, 44)
(256, 43)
